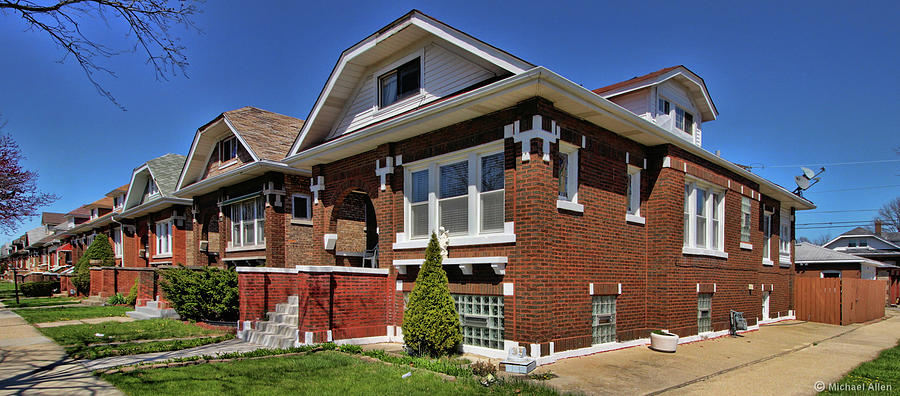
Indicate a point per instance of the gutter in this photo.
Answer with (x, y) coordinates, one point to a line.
(581, 94)
(231, 176)
(150, 206)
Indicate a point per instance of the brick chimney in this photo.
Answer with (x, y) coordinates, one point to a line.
(878, 227)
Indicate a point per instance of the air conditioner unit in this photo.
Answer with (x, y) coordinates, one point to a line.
(142, 253)
(204, 246)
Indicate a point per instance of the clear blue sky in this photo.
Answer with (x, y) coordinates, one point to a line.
(794, 82)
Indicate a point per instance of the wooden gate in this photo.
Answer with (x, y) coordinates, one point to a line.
(839, 301)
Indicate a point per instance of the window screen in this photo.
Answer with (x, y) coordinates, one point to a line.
(454, 202)
(492, 192)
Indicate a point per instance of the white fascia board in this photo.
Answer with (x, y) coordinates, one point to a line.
(663, 78)
(237, 175)
(441, 30)
(547, 79)
(187, 161)
(240, 138)
(153, 206)
(128, 194)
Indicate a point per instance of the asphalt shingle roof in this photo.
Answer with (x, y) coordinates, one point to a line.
(270, 135)
(53, 218)
(808, 252)
(166, 170)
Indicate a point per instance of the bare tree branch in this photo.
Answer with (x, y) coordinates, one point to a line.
(19, 195)
(149, 22)
(889, 214)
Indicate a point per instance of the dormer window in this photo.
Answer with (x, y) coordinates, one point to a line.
(400, 83)
(227, 149)
(94, 213)
(151, 188)
(664, 106)
(118, 201)
(684, 120)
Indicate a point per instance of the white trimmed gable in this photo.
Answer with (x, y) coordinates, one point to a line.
(452, 61)
(205, 150)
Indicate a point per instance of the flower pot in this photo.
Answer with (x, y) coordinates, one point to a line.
(663, 342)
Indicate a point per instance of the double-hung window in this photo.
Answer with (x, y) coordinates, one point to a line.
(745, 219)
(633, 191)
(164, 238)
(227, 149)
(663, 106)
(684, 120)
(767, 237)
(152, 189)
(400, 83)
(784, 237)
(248, 222)
(117, 241)
(567, 173)
(703, 213)
(462, 192)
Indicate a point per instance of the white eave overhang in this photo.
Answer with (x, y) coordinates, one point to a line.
(537, 82)
(238, 175)
(153, 206)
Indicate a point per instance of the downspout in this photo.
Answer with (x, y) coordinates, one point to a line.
(122, 231)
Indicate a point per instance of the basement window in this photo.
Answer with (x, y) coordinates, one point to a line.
(603, 319)
(400, 83)
(481, 320)
(704, 313)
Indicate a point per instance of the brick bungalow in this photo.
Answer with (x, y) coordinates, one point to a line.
(579, 220)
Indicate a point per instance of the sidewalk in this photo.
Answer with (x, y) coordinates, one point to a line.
(785, 358)
(234, 345)
(120, 319)
(34, 365)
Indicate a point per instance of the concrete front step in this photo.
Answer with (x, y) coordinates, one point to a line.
(280, 331)
(94, 301)
(152, 311)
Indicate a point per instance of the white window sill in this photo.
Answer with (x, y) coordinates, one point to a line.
(302, 222)
(229, 163)
(635, 219)
(161, 256)
(569, 205)
(245, 248)
(485, 239)
(768, 262)
(784, 261)
(746, 246)
(704, 252)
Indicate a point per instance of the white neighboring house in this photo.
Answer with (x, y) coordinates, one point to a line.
(816, 261)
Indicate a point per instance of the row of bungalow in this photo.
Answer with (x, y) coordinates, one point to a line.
(579, 220)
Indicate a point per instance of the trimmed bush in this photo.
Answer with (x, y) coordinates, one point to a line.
(39, 289)
(117, 299)
(431, 322)
(98, 250)
(131, 298)
(208, 294)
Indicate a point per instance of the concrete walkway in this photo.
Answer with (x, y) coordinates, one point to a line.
(120, 319)
(786, 358)
(31, 364)
(234, 345)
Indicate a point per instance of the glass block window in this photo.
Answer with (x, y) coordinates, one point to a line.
(603, 319)
(704, 312)
(481, 319)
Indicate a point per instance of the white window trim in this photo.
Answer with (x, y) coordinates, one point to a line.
(692, 248)
(152, 188)
(256, 246)
(570, 202)
(474, 236)
(117, 245)
(376, 77)
(784, 256)
(308, 206)
(746, 244)
(767, 238)
(231, 161)
(634, 177)
(167, 223)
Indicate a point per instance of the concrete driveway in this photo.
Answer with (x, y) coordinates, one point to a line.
(31, 364)
(785, 358)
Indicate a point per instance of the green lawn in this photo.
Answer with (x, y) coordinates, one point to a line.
(323, 373)
(873, 377)
(69, 313)
(153, 329)
(134, 348)
(39, 301)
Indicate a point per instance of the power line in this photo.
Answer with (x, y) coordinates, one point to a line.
(834, 163)
(810, 212)
(835, 226)
(838, 222)
(854, 188)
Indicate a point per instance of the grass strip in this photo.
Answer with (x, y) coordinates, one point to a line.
(57, 314)
(134, 348)
(39, 301)
(86, 334)
(879, 375)
(321, 373)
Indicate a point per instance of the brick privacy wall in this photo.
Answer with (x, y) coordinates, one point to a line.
(359, 308)
(260, 292)
(97, 281)
(106, 281)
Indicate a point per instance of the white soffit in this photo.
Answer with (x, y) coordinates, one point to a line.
(353, 62)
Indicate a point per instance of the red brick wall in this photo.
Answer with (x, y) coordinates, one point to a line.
(261, 291)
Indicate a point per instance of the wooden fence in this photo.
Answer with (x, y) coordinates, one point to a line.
(839, 301)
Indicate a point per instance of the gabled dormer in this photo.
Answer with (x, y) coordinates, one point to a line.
(153, 181)
(118, 197)
(674, 98)
(411, 63)
(233, 142)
